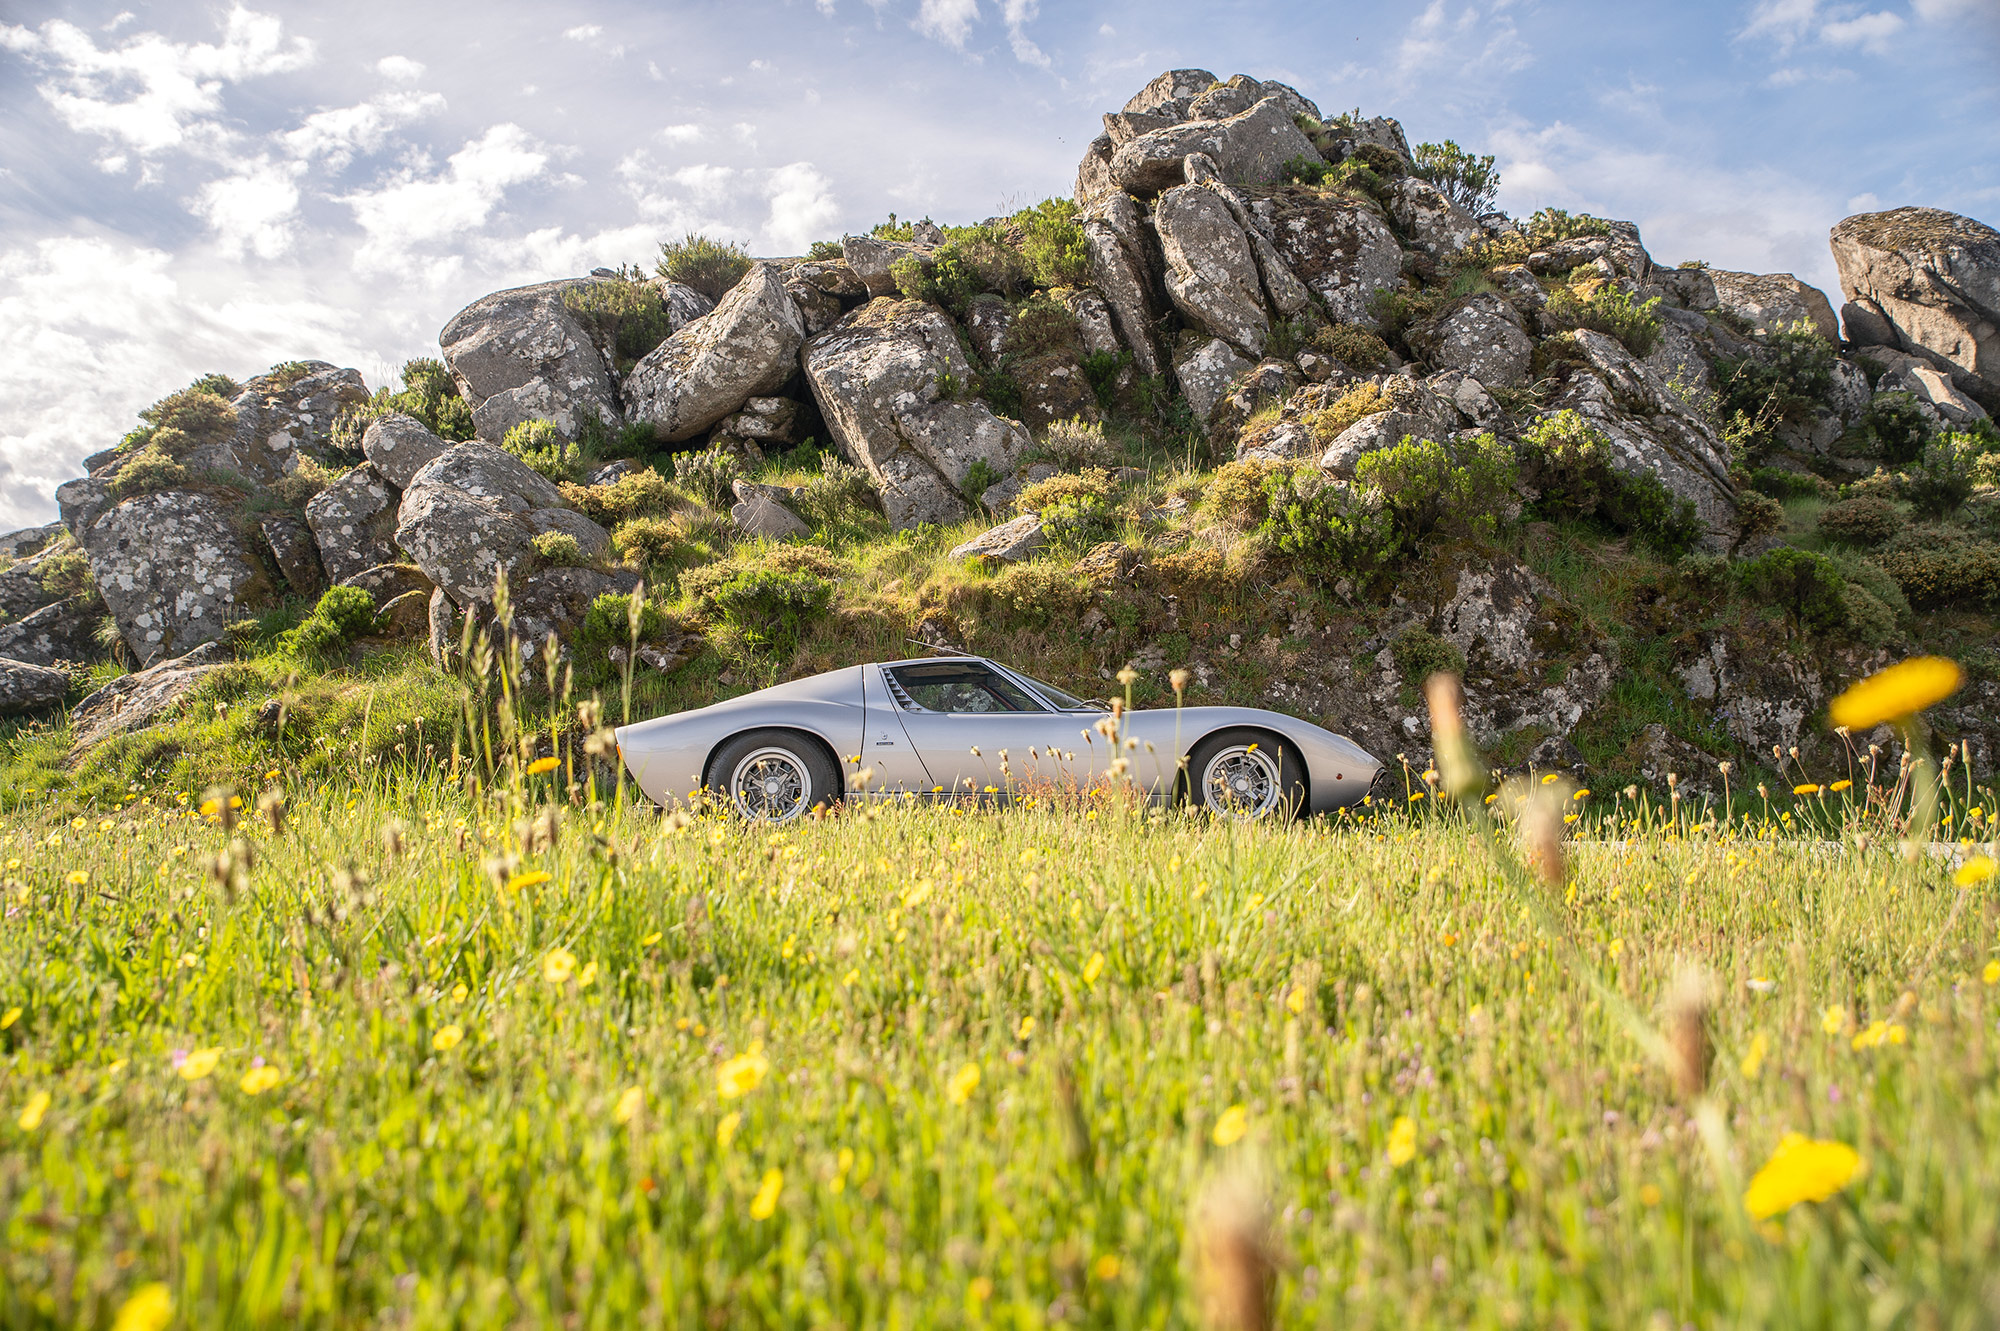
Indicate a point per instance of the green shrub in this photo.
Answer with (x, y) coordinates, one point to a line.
(1960, 575)
(1806, 586)
(1327, 529)
(1861, 571)
(194, 417)
(65, 573)
(1357, 176)
(542, 447)
(1787, 379)
(1236, 492)
(644, 542)
(429, 394)
(1075, 524)
(1942, 477)
(825, 251)
(342, 615)
(1419, 654)
(297, 486)
(1303, 170)
(1352, 345)
(1757, 514)
(1039, 592)
(1363, 400)
(709, 266)
(1570, 466)
(1893, 427)
(839, 497)
(1467, 180)
(627, 310)
(1455, 491)
(147, 471)
(608, 622)
(1607, 308)
(1550, 226)
(635, 494)
(559, 549)
(1103, 369)
(1865, 521)
(772, 607)
(1075, 444)
(1781, 484)
(1052, 244)
(1087, 483)
(1864, 617)
(708, 475)
(971, 261)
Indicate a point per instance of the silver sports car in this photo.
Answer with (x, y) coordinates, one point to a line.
(962, 726)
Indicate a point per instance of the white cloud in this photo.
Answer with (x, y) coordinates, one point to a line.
(415, 209)
(1018, 15)
(653, 72)
(803, 208)
(400, 68)
(339, 133)
(148, 93)
(1871, 32)
(681, 133)
(1472, 46)
(1106, 30)
(582, 32)
(1785, 22)
(947, 21)
(251, 210)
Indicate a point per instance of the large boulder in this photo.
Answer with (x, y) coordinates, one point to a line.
(26, 687)
(521, 355)
(1176, 85)
(79, 501)
(1211, 270)
(1770, 302)
(474, 511)
(21, 590)
(550, 602)
(65, 631)
(1931, 280)
(398, 446)
(1340, 249)
(1247, 148)
(1653, 429)
(1434, 224)
(884, 379)
(29, 540)
(288, 412)
(823, 289)
(1485, 338)
(354, 522)
(173, 570)
(1114, 235)
(295, 550)
(1010, 542)
(870, 259)
(1371, 434)
(1206, 373)
(745, 348)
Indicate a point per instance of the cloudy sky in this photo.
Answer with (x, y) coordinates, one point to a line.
(190, 187)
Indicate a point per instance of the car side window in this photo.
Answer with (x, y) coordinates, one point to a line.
(954, 687)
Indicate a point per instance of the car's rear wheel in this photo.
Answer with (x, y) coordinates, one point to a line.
(1246, 775)
(772, 776)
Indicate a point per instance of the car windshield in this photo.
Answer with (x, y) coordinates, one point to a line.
(1062, 702)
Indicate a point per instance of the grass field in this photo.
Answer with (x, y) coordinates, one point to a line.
(423, 1058)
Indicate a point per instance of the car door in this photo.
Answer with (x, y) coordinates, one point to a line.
(960, 715)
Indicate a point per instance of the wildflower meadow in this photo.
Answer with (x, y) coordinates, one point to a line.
(432, 1048)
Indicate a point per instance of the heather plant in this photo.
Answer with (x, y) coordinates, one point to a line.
(710, 266)
(429, 394)
(709, 475)
(1466, 179)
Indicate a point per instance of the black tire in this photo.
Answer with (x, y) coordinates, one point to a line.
(1268, 777)
(772, 775)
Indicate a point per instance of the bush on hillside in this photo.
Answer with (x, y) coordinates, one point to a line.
(1785, 380)
(1568, 463)
(1464, 178)
(1052, 244)
(191, 418)
(709, 475)
(1459, 490)
(709, 266)
(66, 573)
(645, 542)
(146, 472)
(542, 447)
(1326, 528)
(1076, 444)
(1865, 521)
(1303, 170)
(1606, 308)
(559, 549)
(1352, 345)
(839, 497)
(608, 622)
(1419, 654)
(1962, 575)
(1939, 480)
(1893, 427)
(1804, 585)
(429, 394)
(771, 607)
(635, 494)
(342, 615)
(626, 310)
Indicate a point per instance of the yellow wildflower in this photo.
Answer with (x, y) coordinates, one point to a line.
(1402, 1141)
(651, 938)
(1974, 871)
(765, 1204)
(149, 1309)
(1229, 1128)
(199, 1064)
(629, 1105)
(741, 1075)
(588, 976)
(78, 877)
(1583, 794)
(962, 1084)
(12, 1015)
(1879, 1033)
(558, 965)
(459, 991)
(534, 878)
(1833, 1019)
(260, 1079)
(1807, 789)
(447, 1038)
(33, 1113)
(1296, 1000)
(1800, 1170)
(1107, 1267)
(1093, 968)
(541, 765)
(725, 1131)
(1753, 1057)
(1902, 690)
(1991, 974)
(1839, 786)
(1551, 778)
(1025, 1029)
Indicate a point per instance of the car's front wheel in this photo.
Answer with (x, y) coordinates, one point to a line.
(772, 776)
(1246, 775)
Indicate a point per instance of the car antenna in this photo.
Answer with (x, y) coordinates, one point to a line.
(941, 647)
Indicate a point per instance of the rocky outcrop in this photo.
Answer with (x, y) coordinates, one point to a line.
(1211, 270)
(173, 570)
(474, 511)
(398, 446)
(1247, 148)
(25, 687)
(888, 380)
(824, 289)
(870, 259)
(288, 413)
(1342, 250)
(1434, 224)
(1112, 231)
(29, 540)
(1767, 303)
(135, 701)
(1010, 542)
(1483, 336)
(520, 355)
(1926, 281)
(1206, 374)
(64, 631)
(747, 347)
(354, 522)
(764, 425)
(758, 513)
(295, 551)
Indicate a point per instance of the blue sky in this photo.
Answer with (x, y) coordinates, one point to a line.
(188, 187)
